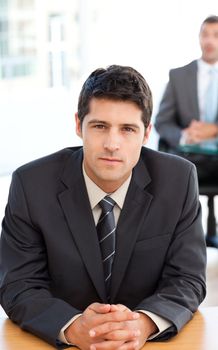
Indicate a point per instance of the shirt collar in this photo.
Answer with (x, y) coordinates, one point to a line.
(96, 194)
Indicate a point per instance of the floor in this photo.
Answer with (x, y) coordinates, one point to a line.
(212, 253)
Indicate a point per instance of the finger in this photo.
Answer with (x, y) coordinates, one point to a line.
(104, 328)
(106, 345)
(99, 319)
(119, 307)
(99, 308)
(122, 335)
(132, 345)
(110, 330)
(117, 316)
(115, 345)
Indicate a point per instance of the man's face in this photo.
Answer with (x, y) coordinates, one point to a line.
(113, 134)
(209, 42)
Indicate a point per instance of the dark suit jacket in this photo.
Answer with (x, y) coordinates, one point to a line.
(50, 259)
(179, 105)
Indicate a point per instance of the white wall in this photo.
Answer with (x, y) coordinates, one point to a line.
(152, 36)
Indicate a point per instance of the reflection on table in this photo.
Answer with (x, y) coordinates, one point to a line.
(199, 334)
(208, 147)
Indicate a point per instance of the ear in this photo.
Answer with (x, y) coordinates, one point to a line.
(78, 125)
(147, 134)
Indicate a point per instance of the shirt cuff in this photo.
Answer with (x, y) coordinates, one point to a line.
(182, 140)
(61, 336)
(161, 323)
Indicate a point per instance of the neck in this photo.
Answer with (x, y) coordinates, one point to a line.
(208, 61)
(109, 187)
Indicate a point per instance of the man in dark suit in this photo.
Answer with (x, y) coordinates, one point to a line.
(181, 115)
(52, 274)
(184, 116)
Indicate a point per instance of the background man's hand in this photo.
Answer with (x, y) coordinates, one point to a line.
(107, 327)
(199, 131)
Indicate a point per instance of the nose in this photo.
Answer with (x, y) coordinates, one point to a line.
(112, 141)
(209, 39)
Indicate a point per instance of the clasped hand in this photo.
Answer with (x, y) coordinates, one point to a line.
(108, 327)
(199, 131)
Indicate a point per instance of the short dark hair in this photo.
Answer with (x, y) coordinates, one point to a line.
(121, 83)
(210, 19)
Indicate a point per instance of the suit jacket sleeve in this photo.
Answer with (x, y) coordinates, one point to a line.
(181, 287)
(24, 272)
(166, 122)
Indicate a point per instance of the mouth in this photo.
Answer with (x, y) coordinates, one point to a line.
(209, 49)
(110, 160)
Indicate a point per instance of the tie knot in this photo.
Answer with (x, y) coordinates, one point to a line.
(107, 204)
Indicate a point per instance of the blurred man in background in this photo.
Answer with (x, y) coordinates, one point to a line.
(188, 112)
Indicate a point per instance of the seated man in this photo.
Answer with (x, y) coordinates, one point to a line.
(188, 112)
(102, 245)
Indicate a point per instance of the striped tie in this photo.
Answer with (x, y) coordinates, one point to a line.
(106, 235)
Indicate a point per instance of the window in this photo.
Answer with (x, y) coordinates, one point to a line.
(17, 40)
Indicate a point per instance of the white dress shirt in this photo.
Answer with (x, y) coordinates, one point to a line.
(203, 78)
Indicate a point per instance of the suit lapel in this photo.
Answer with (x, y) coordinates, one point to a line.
(75, 204)
(132, 216)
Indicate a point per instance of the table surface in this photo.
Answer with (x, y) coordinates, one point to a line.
(209, 147)
(198, 334)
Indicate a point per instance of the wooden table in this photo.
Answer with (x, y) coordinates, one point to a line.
(199, 334)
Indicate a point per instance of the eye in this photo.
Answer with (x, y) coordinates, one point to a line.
(99, 126)
(128, 129)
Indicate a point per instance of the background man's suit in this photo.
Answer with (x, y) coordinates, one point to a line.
(160, 249)
(179, 105)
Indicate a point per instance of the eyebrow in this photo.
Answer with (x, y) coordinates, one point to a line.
(94, 121)
(129, 125)
(132, 125)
